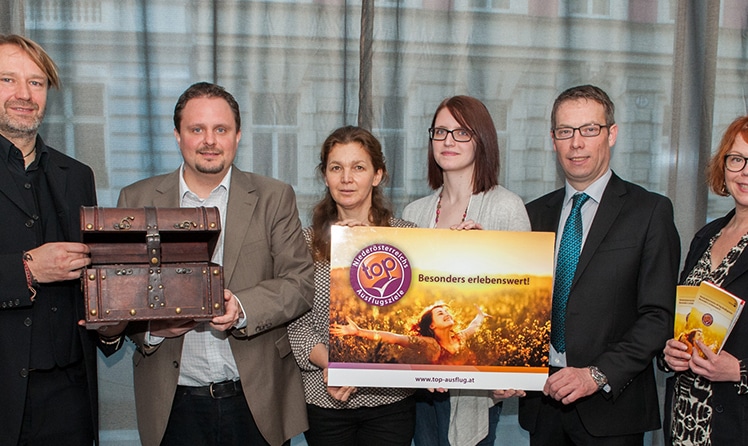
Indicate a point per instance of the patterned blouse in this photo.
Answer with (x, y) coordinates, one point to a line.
(314, 328)
(692, 410)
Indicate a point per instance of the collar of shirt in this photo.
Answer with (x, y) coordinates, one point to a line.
(185, 192)
(12, 155)
(6, 148)
(218, 197)
(594, 190)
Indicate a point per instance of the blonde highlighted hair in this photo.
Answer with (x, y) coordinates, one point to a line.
(37, 54)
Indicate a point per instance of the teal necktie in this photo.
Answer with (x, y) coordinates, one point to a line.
(566, 266)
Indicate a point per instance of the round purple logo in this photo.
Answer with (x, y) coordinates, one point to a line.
(380, 274)
(707, 319)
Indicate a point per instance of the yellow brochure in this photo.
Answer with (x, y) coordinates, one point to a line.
(711, 318)
(684, 297)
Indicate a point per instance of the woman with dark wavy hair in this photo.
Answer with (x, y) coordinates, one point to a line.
(353, 169)
(436, 321)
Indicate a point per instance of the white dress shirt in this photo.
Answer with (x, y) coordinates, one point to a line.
(589, 210)
(206, 353)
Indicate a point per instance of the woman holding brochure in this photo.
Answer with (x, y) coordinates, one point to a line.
(710, 395)
(352, 167)
(463, 171)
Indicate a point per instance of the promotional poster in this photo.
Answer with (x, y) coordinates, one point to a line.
(440, 308)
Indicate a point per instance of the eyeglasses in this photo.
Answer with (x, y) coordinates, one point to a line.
(735, 163)
(587, 131)
(459, 135)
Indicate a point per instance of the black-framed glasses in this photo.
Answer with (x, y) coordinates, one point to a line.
(459, 135)
(587, 131)
(735, 163)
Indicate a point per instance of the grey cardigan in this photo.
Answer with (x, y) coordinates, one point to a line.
(501, 210)
(498, 209)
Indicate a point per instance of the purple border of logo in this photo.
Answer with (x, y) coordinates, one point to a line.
(391, 290)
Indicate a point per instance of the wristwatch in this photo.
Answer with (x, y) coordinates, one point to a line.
(599, 377)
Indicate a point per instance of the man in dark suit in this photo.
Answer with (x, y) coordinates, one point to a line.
(619, 312)
(47, 361)
(233, 381)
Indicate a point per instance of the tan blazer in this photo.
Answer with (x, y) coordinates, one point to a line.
(268, 267)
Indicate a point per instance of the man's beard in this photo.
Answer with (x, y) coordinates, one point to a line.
(16, 128)
(209, 168)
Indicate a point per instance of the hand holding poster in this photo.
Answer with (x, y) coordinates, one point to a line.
(439, 308)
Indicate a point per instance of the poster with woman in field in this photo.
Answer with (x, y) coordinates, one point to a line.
(440, 308)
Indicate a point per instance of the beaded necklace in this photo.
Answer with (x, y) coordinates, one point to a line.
(439, 207)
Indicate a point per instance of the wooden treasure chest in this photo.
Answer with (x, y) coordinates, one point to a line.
(151, 263)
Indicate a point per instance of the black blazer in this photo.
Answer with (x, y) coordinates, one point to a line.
(71, 185)
(620, 309)
(730, 410)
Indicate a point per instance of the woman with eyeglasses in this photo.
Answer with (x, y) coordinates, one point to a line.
(709, 400)
(463, 171)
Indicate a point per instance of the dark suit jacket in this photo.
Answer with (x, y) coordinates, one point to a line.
(268, 267)
(620, 310)
(730, 410)
(71, 185)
